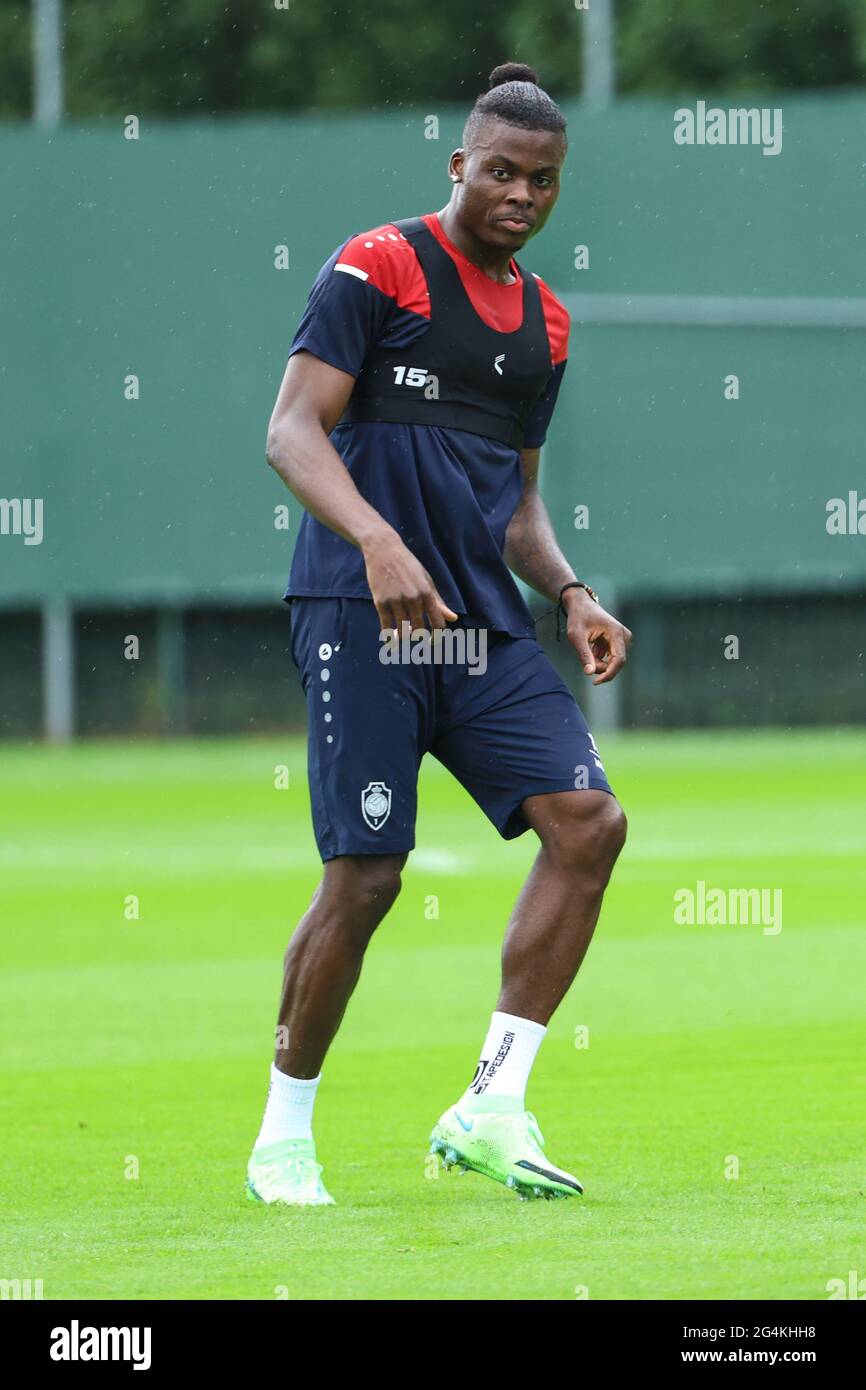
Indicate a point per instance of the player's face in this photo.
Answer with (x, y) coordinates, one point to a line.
(509, 182)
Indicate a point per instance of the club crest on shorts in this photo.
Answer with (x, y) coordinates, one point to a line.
(376, 804)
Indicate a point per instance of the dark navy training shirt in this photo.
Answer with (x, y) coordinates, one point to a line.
(449, 493)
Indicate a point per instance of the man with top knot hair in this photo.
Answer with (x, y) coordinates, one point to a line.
(418, 392)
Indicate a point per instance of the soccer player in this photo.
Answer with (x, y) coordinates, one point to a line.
(417, 395)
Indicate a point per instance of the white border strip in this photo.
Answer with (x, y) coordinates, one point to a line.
(352, 270)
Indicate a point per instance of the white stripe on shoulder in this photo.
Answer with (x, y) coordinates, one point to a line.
(352, 270)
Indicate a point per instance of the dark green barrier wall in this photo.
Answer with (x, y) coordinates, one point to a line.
(690, 492)
(155, 257)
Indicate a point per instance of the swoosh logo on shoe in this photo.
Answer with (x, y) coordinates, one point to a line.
(546, 1173)
(459, 1117)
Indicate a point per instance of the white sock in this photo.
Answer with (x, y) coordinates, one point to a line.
(289, 1108)
(506, 1058)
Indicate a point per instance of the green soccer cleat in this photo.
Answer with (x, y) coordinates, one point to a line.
(501, 1140)
(287, 1174)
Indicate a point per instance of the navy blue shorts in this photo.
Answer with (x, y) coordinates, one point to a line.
(506, 732)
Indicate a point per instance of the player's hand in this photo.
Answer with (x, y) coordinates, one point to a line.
(402, 589)
(599, 640)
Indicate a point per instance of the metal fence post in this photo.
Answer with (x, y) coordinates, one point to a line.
(599, 68)
(58, 672)
(47, 41)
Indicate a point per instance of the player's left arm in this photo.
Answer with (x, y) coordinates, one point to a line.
(533, 553)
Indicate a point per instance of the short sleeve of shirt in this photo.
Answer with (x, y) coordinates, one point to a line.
(540, 415)
(344, 316)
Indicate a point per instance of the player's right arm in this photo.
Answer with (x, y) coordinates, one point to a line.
(311, 399)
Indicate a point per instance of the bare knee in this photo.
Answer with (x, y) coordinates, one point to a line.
(376, 883)
(583, 832)
(363, 887)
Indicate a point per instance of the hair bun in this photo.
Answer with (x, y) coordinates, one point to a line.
(512, 72)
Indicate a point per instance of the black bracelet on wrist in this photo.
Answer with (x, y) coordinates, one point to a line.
(578, 584)
(558, 607)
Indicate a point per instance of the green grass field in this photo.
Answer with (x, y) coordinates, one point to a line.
(144, 1045)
